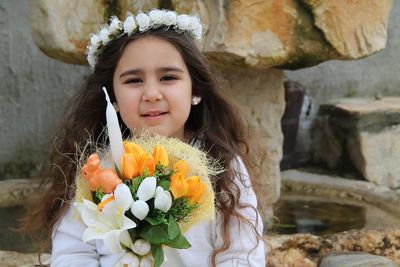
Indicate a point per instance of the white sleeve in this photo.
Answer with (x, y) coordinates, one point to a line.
(68, 249)
(242, 250)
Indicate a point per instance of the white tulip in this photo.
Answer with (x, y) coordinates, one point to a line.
(141, 247)
(183, 22)
(147, 261)
(163, 199)
(143, 21)
(128, 259)
(140, 209)
(123, 196)
(147, 188)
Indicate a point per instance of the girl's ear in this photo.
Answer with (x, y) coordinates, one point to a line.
(115, 106)
(196, 100)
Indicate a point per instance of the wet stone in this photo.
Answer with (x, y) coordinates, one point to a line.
(354, 259)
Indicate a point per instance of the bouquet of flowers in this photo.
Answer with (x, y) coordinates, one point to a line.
(157, 190)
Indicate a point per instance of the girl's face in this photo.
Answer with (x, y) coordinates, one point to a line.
(152, 87)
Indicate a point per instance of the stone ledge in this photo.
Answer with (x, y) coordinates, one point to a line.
(17, 192)
(305, 250)
(327, 186)
(14, 259)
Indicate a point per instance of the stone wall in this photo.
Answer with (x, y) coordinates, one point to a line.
(33, 92)
(377, 74)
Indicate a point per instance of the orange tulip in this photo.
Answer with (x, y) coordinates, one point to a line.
(160, 155)
(134, 149)
(180, 169)
(196, 189)
(147, 165)
(179, 186)
(129, 166)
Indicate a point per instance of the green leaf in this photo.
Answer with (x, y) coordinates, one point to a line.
(153, 221)
(173, 228)
(158, 254)
(165, 184)
(156, 234)
(179, 242)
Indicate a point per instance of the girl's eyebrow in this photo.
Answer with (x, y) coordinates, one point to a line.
(161, 69)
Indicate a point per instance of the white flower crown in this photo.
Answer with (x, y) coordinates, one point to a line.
(142, 22)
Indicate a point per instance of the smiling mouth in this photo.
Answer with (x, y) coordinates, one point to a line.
(154, 114)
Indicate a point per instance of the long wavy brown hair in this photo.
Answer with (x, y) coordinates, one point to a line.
(216, 122)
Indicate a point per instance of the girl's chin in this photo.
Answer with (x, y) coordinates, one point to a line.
(154, 131)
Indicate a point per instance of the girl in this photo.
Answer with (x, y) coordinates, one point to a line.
(159, 81)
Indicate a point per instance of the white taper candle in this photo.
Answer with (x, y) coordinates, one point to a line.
(114, 132)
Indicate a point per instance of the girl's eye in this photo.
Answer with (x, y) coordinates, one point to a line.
(134, 80)
(168, 78)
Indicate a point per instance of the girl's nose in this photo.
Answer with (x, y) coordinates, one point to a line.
(151, 92)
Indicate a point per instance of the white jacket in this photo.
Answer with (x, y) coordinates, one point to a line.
(69, 250)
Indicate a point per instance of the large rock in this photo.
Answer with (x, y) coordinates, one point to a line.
(361, 133)
(305, 250)
(262, 34)
(263, 104)
(61, 28)
(352, 27)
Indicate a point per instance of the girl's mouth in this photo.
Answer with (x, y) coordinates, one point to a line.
(154, 115)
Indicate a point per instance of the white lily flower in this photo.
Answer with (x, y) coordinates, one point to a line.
(147, 261)
(128, 259)
(147, 188)
(140, 209)
(109, 224)
(163, 199)
(141, 247)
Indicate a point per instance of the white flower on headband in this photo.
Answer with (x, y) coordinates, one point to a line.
(157, 17)
(195, 27)
(115, 25)
(183, 22)
(170, 18)
(130, 25)
(91, 60)
(104, 35)
(143, 21)
(95, 42)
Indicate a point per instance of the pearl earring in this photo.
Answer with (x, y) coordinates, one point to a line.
(196, 100)
(115, 106)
